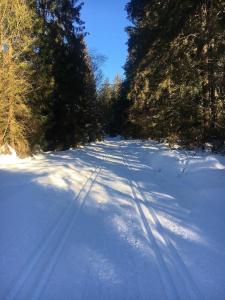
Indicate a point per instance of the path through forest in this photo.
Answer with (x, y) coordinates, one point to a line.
(113, 220)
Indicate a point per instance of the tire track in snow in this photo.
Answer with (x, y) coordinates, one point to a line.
(189, 288)
(33, 278)
(168, 285)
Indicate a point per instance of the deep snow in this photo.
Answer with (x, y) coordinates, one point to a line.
(113, 220)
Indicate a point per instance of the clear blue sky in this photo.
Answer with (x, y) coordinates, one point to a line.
(106, 20)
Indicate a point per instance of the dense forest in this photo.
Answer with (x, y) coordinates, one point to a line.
(48, 93)
(174, 86)
(175, 72)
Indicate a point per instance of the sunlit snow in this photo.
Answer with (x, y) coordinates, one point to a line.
(113, 220)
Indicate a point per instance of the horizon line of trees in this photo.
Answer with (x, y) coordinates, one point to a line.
(52, 92)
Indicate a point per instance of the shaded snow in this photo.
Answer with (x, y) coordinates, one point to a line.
(113, 220)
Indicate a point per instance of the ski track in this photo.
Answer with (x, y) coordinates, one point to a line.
(160, 229)
(169, 283)
(27, 286)
(163, 272)
(91, 259)
(88, 273)
(117, 163)
(12, 239)
(138, 293)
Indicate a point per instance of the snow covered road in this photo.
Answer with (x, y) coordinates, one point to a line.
(113, 220)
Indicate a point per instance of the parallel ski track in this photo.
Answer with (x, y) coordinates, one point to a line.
(87, 277)
(190, 289)
(34, 276)
(137, 294)
(188, 283)
(12, 238)
(168, 286)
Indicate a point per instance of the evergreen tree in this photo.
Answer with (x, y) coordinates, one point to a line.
(16, 70)
(109, 101)
(105, 104)
(69, 114)
(47, 78)
(175, 70)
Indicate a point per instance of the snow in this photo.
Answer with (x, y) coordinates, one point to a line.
(113, 220)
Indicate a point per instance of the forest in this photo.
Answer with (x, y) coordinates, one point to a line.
(52, 96)
(112, 149)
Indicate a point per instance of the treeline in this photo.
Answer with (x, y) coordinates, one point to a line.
(175, 71)
(111, 106)
(47, 84)
(51, 90)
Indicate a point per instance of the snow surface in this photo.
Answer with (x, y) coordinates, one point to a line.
(113, 220)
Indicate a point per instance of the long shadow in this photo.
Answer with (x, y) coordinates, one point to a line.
(110, 258)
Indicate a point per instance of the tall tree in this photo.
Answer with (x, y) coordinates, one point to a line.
(175, 68)
(16, 70)
(70, 117)
(109, 97)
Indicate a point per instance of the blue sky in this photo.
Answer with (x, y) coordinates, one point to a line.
(106, 20)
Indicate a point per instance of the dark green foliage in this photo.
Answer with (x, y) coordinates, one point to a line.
(69, 113)
(175, 75)
(112, 107)
(175, 70)
(54, 105)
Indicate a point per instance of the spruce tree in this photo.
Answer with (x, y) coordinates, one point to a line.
(69, 111)
(175, 70)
